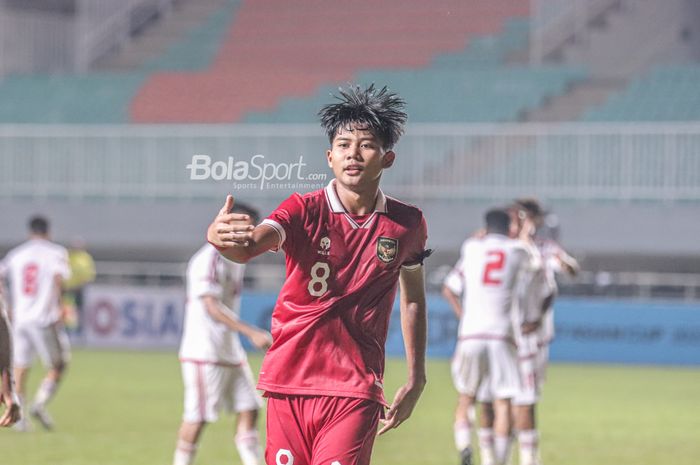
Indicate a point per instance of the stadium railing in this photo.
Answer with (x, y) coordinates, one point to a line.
(571, 162)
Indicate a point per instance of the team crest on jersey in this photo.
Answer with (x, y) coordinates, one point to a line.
(325, 246)
(387, 248)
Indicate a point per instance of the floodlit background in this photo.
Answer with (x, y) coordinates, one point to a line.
(593, 106)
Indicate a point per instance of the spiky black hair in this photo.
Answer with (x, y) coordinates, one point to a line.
(380, 111)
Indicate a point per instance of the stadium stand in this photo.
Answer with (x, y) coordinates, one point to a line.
(454, 61)
(492, 49)
(667, 93)
(297, 53)
(205, 76)
(197, 50)
(89, 98)
(448, 95)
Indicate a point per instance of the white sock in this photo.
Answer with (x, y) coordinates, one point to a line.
(23, 421)
(486, 446)
(45, 392)
(462, 435)
(501, 446)
(248, 445)
(529, 450)
(184, 453)
(471, 414)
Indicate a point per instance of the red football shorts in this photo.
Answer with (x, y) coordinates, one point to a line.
(320, 430)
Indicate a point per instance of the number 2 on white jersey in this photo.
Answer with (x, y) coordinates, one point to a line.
(319, 279)
(494, 265)
(30, 277)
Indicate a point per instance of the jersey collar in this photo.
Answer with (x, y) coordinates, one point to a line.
(336, 206)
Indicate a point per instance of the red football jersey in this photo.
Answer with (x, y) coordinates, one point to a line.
(331, 319)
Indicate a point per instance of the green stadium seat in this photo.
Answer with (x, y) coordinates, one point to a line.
(667, 93)
(446, 94)
(85, 99)
(198, 50)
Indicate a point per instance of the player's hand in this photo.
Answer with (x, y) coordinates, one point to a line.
(69, 315)
(12, 409)
(261, 339)
(530, 326)
(230, 229)
(569, 265)
(405, 401)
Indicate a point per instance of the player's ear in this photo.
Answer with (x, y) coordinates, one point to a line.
(388, 159)
(329, 157)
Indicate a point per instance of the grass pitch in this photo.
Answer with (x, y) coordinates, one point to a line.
(125, 408)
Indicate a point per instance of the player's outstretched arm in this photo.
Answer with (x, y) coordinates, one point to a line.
(260, 338)
(568, 263)
(414, 327)
(236, 238)
(453, 300)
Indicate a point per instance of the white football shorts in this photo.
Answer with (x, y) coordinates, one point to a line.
(491, 362)
(529, 361)
(211, 388)
(49, 342)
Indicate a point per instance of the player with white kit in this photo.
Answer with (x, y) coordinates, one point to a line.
(489, 268)
(215, 369)
(537, 330)
(556, 261)
(36, 270)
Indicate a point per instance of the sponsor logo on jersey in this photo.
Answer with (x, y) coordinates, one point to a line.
(387, 248)
(325, 246)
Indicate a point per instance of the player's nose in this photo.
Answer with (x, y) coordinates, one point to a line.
(354, 153)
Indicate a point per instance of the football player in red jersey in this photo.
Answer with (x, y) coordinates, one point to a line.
(347, 246)
(7, 390)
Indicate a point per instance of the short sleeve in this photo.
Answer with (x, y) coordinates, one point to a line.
(287, 219)
(454, 280)
(416, 251)
(204, 278)
(61, 265)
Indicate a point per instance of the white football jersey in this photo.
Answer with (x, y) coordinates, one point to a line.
(535, 287)
(204, 339)
(489, 270)
(550, 251)
(32, 269)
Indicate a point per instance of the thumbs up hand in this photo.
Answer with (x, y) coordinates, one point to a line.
(230, 229)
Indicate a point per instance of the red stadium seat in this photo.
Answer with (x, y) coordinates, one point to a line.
(273, 51)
